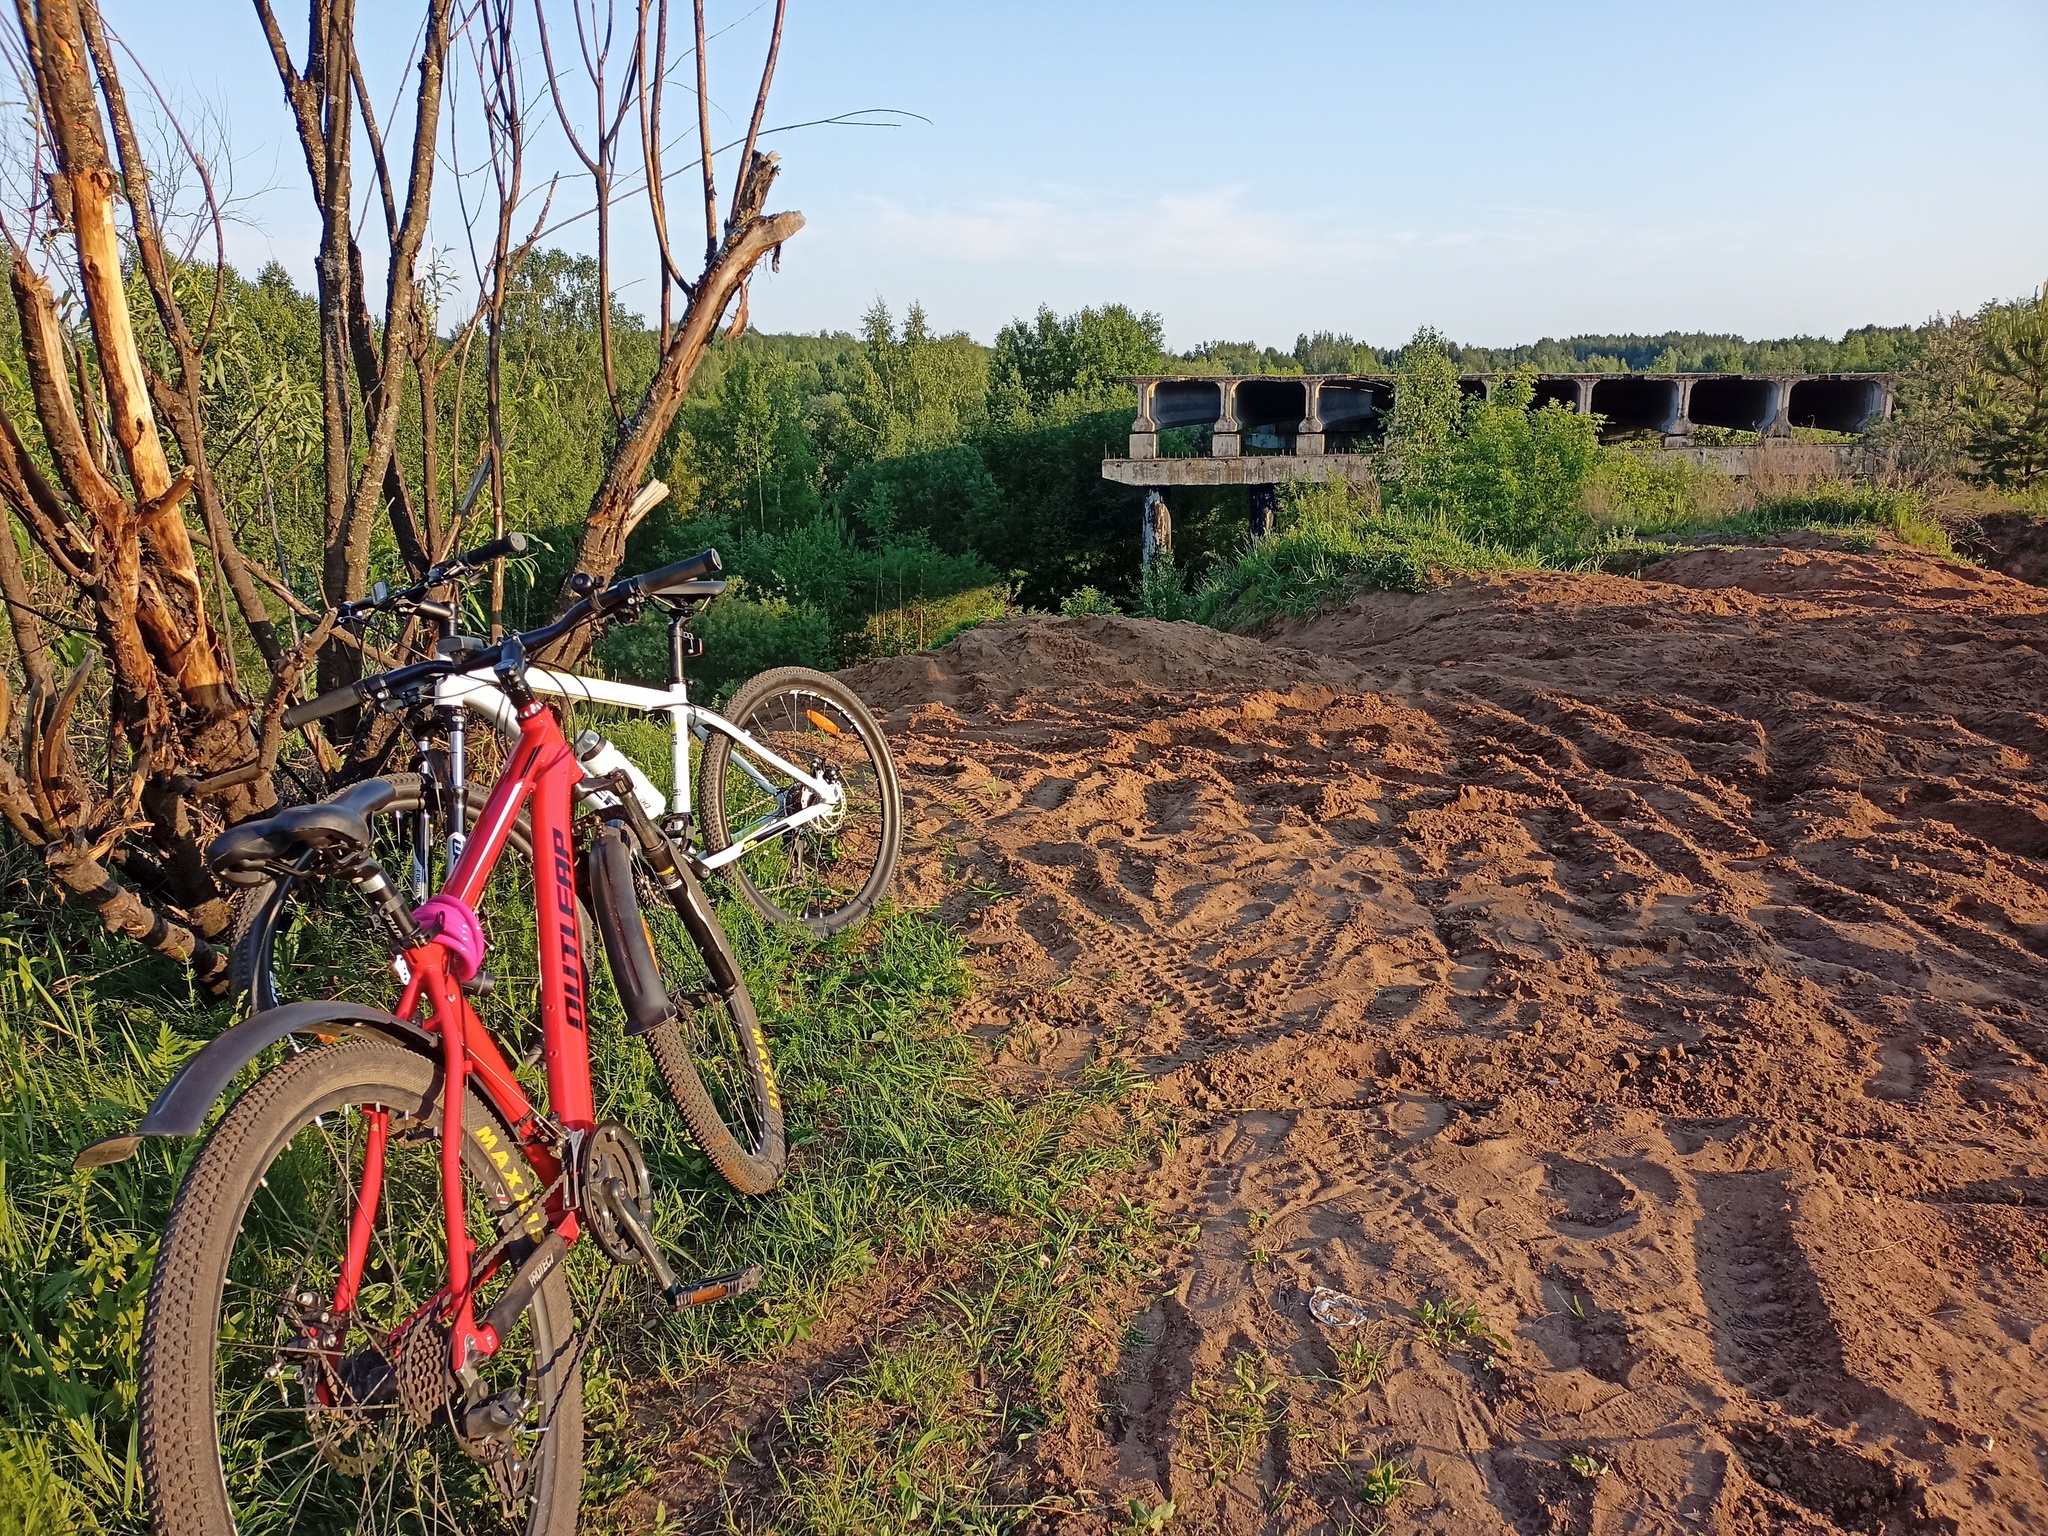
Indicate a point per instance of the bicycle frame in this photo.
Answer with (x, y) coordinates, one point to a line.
(543, 770)
(479, 695)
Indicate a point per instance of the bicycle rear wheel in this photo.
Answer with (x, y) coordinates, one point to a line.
(827, 874)
(252, 1422)
(298, 940)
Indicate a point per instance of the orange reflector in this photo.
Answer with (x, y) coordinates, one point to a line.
(822, 723)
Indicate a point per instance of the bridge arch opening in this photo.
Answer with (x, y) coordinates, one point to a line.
(1835, 405)
(1355, 411)
(1186, 402)
(1633, 405)
(1269, 411)
(1735, 403)
(1564, 392)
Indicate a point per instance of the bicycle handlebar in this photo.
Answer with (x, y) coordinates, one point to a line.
(332, 702)
(620, 594)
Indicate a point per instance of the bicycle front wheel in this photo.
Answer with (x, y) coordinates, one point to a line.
(267, 1406)
(825, 873)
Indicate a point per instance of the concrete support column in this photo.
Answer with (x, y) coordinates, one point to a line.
(1265, 509)
(1584, 403)
(1308, 437)
(1227, 443)
(1886, 391)
(1145, 431)
(1681, 424)
(1156, 530)
(1777, 422)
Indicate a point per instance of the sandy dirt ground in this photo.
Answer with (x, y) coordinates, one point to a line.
(1659, 966)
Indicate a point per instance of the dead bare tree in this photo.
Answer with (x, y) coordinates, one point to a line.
(730, 256)
(358, 361)
(112, 525)
(120, 440)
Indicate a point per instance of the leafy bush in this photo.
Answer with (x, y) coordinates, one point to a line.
(1163, 594)
(944, 495)
(1334, 540)
(742, 636)
(1060, 525)
(820, 594)
(1084, 602)
(1504, 473)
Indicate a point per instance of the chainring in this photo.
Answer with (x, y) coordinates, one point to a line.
(611, 1162)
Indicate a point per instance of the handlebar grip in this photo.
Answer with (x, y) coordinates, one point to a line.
(654, 583)
(332, 702)
(484, 554)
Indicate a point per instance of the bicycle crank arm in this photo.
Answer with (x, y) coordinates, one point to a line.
(695, 1294)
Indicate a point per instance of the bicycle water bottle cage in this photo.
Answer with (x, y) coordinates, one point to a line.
(453, 925)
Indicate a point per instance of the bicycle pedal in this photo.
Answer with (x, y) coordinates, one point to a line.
(734, 1282)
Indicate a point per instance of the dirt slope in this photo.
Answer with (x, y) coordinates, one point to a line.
(1657, 965)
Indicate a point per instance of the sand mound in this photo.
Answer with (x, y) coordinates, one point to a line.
(998, 661)
(1660, 966)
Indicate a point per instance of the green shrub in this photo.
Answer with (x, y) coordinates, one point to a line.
(1334, 541)
(741, 635)
(1163, 594)
(1507, 475)
(1088, 600)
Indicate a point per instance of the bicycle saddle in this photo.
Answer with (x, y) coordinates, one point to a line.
(257, 851)
(699, 590)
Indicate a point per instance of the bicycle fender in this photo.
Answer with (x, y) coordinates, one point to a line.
(188, 1098)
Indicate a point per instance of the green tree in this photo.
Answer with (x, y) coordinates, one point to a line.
(1049, 371)
(2009, 402)
(910, 392)
(745, 452)
(1428, 400)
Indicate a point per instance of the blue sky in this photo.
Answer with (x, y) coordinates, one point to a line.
(1501, 171)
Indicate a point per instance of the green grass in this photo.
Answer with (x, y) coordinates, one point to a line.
(1229, 1419)
(1452, 1322)
(1317, 562)
(1335, 542)
(903, 1155)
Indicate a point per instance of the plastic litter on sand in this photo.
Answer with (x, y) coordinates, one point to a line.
(1334, 1309)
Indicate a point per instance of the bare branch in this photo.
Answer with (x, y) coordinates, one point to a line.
(704, 140)
(760, 106)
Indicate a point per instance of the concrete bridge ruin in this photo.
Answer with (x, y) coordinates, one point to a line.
(1266, 429)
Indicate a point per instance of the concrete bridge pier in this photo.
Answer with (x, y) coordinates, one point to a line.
(1226, 443)
(1309, 437)
(1145, 430)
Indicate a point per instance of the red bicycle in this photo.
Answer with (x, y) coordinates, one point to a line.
(360, 1318)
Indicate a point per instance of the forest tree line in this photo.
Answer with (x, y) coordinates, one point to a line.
(874, 489)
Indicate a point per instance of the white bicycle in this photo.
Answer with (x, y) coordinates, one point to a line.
(797, 799)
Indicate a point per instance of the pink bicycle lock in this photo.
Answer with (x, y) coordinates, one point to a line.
(454, 926)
